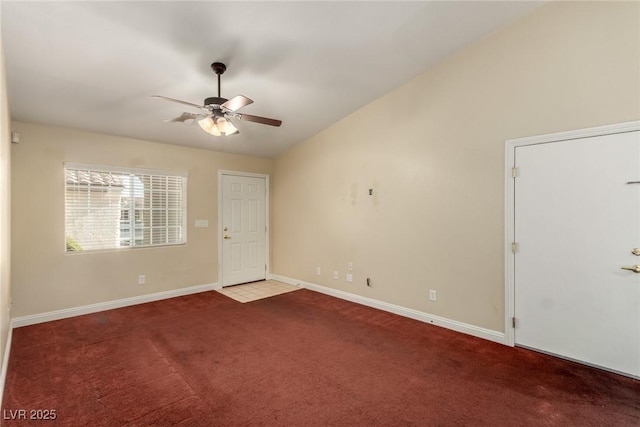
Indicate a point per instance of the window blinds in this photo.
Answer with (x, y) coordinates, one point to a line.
(109, 208)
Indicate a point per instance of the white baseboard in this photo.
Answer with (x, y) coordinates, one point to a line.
(465, 328)
(5, 362)
(33, 319)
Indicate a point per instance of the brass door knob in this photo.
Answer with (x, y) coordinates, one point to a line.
(227, 236)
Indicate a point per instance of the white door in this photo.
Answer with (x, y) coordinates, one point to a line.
(243, 229)
(577, 221)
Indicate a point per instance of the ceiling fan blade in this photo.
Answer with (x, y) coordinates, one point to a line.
(184, 117)
(258, 119)
(190, 104)
(236, 103)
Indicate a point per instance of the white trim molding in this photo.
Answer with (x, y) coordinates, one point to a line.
(454, 325)
(509, 196)
(5, 361)
(33, 319)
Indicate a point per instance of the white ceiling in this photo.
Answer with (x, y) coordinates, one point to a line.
(94, 65)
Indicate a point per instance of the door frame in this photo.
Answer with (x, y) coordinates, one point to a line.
(510, 157)
(221, 173)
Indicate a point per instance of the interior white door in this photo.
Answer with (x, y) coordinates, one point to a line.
(577, 221)
(243, 229)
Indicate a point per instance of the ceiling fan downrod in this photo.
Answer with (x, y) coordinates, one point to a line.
(219, 68)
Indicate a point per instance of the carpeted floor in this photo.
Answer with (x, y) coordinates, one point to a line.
(296, 359)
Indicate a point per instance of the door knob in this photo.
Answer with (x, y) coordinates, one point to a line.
(228, 237)
(225, 229)
(636, 251)
(634, 268)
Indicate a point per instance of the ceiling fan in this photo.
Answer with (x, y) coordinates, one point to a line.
(216, 113)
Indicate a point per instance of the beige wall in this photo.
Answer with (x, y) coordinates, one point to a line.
(5, 211)
(433, 153)
(46, 279)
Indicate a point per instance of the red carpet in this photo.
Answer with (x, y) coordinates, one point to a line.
(297, 359)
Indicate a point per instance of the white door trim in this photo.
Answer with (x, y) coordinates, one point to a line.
(222, 172)
(510, 148)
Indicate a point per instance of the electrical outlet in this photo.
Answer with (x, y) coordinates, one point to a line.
(141, 279)
(349, 277)
(317, 271)
(432, 295)
(336, 275)
(350, 266)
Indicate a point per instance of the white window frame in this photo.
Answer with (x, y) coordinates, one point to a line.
(128, 171)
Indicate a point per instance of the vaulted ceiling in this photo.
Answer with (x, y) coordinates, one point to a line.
(94, 65)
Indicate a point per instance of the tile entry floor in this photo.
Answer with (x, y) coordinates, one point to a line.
(257, 290)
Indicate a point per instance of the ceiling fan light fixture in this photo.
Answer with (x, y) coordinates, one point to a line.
(217, 125)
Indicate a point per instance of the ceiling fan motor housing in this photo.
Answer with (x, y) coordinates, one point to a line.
(215, 100)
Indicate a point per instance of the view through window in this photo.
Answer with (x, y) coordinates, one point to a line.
(109, 208)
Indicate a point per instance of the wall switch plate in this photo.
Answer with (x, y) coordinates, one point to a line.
(350, 266)
(336, 275)
(349, 277)
(141, 279)
(317, 271)
(432, 295)
(202, 223)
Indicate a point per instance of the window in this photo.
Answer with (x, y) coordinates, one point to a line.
(108, 207)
